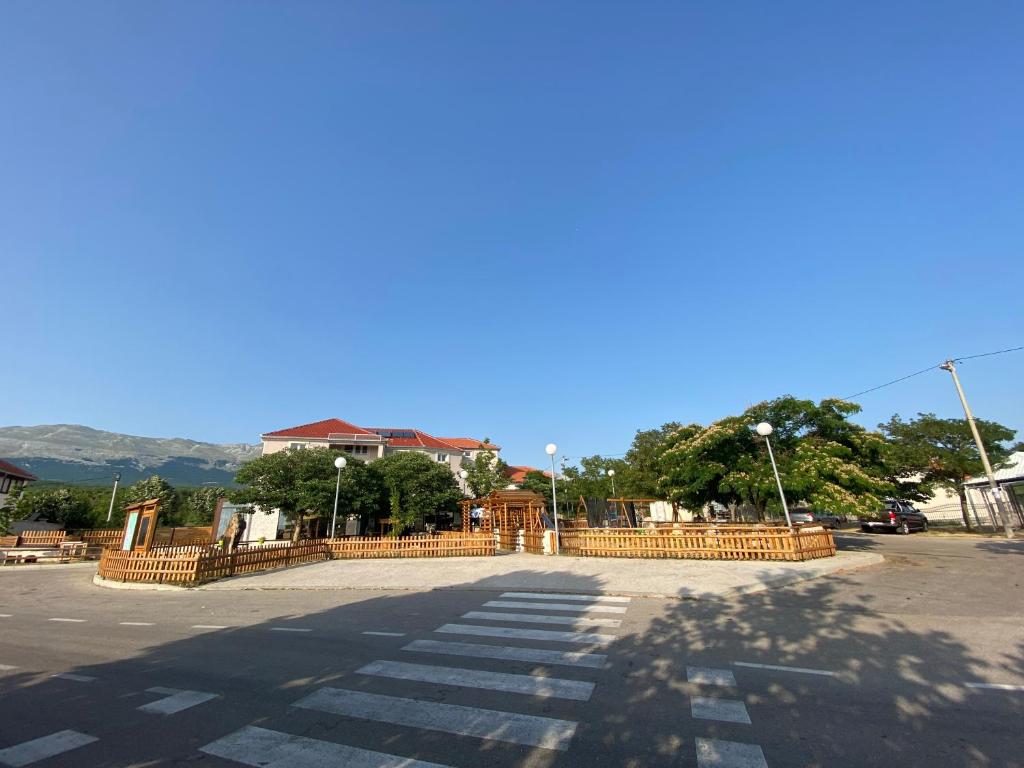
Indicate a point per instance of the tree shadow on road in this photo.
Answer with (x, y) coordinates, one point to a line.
(897, 696)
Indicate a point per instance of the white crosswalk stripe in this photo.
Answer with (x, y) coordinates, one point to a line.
(532, 685)
(175, 700)
(33, 751)
(709, 676)
(511, 727)
(273, 749)
(509, 653)
(530, 618)
(715, 753)
(585, 638)
(587, 608)
(557, 596)
(725, 710)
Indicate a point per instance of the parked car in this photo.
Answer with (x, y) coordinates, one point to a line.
(896, 516)
(823, 517)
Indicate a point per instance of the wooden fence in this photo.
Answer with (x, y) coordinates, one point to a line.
(112, 537)
(701, 542)
(454, 544)
(533, 542)
(190, 565)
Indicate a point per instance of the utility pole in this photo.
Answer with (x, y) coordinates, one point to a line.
(996, 490)
(117, 479)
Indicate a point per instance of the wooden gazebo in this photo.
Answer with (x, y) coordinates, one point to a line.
(506, 511)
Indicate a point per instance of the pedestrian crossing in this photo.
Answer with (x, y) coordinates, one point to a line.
(499, 718)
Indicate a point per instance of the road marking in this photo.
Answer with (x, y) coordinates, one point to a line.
(510, 727)
(70, 621)
(530, 618)
(725, 710)
(30, 752)
(996, 686)
(176, 700)
(709, 676)
(6, 667)
(6, 616)
(509, 653)
(715, 753)
(273, 749)
(777, 668)
(531, 685)
(527, 634)
(208, 626)
(289, 629)
(555, 606)
(386, 634)
(556, 596)
(136, 623)
(76, 678)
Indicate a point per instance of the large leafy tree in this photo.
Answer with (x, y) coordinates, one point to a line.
(301, 483)
(67, 507)
(639, 474)
(198, 504)
(155, 487)
(942, 452)
(824, 459)
(485, 473)
(417, 487)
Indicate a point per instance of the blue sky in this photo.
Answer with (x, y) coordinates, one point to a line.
(531, 221)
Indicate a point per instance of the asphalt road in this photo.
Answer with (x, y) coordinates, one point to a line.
(877, 667)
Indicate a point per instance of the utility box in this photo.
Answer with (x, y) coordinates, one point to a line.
(353, 525)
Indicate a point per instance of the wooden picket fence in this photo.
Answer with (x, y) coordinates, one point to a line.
(533, 542)
(195, 564)
(112, 537)
(451, 544)
(705, 542)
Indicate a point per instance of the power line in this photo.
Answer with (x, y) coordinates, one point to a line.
(932, 368)
(986, 354)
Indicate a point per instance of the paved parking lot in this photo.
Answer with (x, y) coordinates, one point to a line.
(914, 662)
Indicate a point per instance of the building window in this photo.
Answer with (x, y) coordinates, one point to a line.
(357, 450)
(442, 457)
(296, 446)
(5, 485)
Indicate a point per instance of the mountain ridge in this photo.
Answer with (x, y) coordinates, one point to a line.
(76, 453)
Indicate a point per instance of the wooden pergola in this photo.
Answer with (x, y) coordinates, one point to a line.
(506, 511)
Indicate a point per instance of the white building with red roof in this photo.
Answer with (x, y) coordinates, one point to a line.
(12, 479)
(370, 443)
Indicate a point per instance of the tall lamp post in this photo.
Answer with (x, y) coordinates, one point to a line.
(551, 449)
(464, 474)
(611, 474)
(340, 464)
(764, 429)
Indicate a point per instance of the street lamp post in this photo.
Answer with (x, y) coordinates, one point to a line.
(611, 474)
(764, 429)
(340, 464)
(464, 474)
(551, 449)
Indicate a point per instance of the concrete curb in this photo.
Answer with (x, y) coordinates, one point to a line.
(48, 567)
(814, 569)
(99, 581)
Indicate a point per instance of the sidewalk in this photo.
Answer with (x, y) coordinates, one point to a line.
(651, 578)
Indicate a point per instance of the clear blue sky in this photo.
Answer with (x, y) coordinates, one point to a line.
(532, 221)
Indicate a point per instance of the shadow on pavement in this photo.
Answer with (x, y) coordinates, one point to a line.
(897, 698)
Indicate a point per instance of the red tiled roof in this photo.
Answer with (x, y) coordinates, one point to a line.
(419, 439)
(320, 429)
(10, 469)
(470, 443)
(518, 474)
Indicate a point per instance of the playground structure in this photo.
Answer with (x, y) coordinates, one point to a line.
(504, 511)
(624, 513)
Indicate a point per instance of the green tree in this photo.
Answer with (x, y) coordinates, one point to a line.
(538, 482)
(298, 483)
(486, 473)
(942, 452)
(417, 487)
(824, 459)
(155, 487)
(63, 506)
(640, 473)
(198, 504)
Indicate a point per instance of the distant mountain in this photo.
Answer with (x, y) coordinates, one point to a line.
(77, 454)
